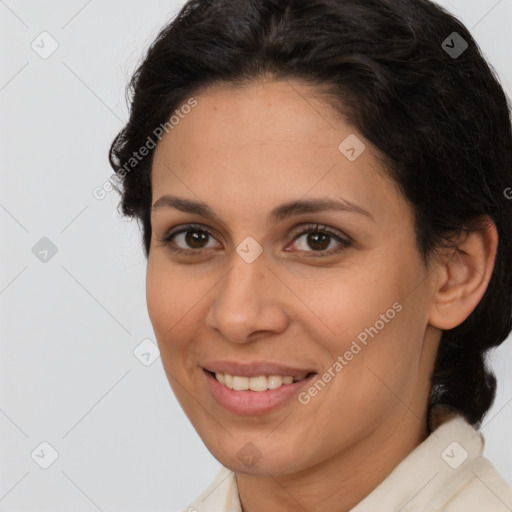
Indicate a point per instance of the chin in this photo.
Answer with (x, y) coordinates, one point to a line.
(256, 458)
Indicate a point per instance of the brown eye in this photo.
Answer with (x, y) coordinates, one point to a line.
(188, 239)
(196, 239)
(318, 239)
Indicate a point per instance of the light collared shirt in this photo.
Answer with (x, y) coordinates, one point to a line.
(445, 473)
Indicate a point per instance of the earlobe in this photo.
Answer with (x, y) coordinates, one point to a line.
(464, 272)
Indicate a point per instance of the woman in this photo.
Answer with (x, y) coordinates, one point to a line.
(320, 186)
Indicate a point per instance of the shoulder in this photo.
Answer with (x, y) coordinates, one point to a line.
(445, 473)
(483, 489)
(473, 483)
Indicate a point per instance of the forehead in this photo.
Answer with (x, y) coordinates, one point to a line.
(267, 140)
(262, 112)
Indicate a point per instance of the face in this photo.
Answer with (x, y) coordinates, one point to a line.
(275, 253)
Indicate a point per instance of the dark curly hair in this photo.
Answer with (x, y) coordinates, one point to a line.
(395, 71)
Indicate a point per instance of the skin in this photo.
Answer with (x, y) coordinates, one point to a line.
(244, 151)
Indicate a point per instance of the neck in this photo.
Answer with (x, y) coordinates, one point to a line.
(341, 482)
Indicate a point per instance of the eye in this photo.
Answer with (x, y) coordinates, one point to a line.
(190, 238)
(319, 239)
(194, 239)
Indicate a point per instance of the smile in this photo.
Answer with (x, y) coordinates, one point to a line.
(258, 384)
(259, 394)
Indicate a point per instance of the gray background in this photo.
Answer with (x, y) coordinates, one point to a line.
(70, 324)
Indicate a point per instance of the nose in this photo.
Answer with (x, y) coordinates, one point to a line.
(247, 303)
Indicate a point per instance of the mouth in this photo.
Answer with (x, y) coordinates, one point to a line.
(255, 395)
(259, 383)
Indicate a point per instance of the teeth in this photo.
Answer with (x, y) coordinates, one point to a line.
(260, 383)
(274, 381)
(240, 383)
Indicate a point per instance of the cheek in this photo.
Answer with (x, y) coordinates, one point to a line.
(367, 315)
(342, 306)
(156, 298)
(167, 299)
(176, 298)
(377, 344)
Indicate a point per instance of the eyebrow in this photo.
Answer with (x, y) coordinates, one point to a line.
(279, 213)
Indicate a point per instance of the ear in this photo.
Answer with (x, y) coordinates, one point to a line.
(464, 271)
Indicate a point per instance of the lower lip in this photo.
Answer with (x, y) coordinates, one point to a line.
(253, 402)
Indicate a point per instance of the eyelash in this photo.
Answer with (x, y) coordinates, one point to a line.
(310, 228)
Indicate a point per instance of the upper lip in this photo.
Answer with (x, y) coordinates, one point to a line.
(255, 368)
